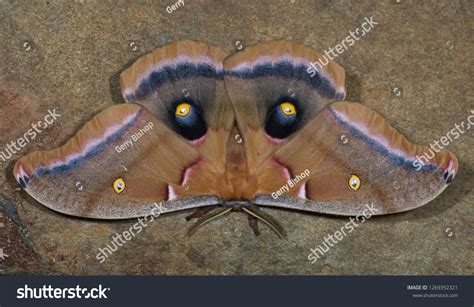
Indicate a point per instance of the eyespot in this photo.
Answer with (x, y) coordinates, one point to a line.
(354, 182)
(119, 185)
(183, 109)
(281, 120)
(188, 120)
(288, 108)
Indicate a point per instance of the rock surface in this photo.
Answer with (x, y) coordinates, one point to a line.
(415, 68)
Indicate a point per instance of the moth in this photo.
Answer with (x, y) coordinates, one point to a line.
(202, 129)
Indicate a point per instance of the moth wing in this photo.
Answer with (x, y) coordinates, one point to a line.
(261, 76)
(347, 158)
(125, 143)
(191, 72)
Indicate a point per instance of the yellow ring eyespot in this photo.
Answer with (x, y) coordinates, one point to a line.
(288, 108)
(183, 109)
(119, 185)
(354, 182)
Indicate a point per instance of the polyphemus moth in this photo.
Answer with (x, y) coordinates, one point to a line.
(204, 130)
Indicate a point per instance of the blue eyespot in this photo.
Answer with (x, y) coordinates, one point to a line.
(281, 120)
(189, 121)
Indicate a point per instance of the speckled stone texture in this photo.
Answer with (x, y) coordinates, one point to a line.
(68, 55)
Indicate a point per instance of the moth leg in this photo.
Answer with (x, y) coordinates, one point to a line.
(267, 219)
(200, 212)
(206, 219)
(253, 223)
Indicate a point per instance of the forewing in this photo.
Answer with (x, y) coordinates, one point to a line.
(122, 142)
(347, 140)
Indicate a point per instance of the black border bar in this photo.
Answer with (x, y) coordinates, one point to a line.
(293, 291)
